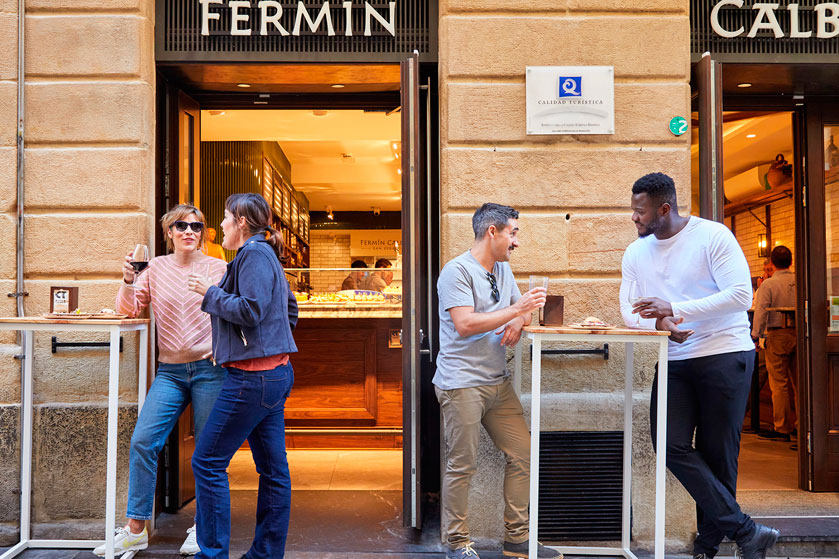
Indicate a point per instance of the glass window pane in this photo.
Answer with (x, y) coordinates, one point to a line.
(831, 212)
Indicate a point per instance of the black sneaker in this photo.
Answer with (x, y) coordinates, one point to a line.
(521, 550)
(755, 546)
(774, 435)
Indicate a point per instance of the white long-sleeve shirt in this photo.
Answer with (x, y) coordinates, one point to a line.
(702, 272)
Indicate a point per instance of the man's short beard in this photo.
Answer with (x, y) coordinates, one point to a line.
(654, 226)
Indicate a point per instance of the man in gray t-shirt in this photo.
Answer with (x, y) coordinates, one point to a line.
(481, 312)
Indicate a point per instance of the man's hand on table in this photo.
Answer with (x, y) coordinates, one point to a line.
(669, 324)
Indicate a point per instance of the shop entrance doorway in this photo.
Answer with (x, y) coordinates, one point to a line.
(298, 134)
(762, 164)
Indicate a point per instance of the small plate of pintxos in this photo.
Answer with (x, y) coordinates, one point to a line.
(591, 323)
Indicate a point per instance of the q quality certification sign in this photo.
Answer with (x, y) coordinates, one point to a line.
(570, 100)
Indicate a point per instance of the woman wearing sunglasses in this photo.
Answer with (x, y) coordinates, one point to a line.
(253, 312)
(184, 373)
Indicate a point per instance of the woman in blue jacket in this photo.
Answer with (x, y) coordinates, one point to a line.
(253, 312)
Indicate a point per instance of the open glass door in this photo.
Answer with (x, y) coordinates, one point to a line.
(414, 282)
(821, 316)
(181, 187)
(709, 82)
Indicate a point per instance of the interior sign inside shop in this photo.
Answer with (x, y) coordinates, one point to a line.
(766, 19)
(570, 100)
(267, 17)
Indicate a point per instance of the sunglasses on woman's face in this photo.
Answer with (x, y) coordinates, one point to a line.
(181, 226)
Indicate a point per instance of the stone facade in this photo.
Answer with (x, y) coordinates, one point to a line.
(90, 197)
(573, 193)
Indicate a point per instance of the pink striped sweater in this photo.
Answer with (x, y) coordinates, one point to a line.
(184, 332)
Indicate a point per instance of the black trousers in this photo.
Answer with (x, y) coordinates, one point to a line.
(706, 397)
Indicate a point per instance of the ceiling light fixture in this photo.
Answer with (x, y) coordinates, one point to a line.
(216, 113)
(243, 85)
(338, 86)
(744, 85)
(751, 135)
(319, 112)
(399, 170)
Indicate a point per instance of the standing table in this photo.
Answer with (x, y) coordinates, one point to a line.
(27, 326)
(628, 337)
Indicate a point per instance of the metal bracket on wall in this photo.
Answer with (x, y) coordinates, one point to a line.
(604, 352)
(56, 344)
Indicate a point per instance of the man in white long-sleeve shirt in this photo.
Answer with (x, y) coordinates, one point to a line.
(694, 282)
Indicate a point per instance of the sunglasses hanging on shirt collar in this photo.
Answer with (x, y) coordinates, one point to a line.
(496, 296)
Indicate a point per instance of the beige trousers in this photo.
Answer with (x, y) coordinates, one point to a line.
(499, 410)
(780, 365)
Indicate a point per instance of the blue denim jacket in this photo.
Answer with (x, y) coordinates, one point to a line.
(252, 309)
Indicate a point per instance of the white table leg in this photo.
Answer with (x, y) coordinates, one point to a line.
(142, 370)
(26, 443)
(535, 428)
(661, 446)
(113, 418)
(517, 368)
(627, 445)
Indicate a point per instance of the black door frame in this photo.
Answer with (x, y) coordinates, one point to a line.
(429, 443)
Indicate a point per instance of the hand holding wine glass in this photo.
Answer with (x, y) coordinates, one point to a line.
(139, 261)
(636, 294)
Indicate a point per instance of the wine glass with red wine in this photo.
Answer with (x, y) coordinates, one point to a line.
(139, 260)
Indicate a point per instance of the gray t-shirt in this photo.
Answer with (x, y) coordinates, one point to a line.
(477, 360)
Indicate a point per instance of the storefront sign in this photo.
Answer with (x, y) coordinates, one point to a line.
(570, 100)
(375, 242)
(678, 125)
(766, 18)
(273, 20)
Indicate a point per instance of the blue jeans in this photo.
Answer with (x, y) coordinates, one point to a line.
(251, 406)
(174, 387)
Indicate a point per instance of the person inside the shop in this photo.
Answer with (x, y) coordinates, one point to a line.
(184, 373)
(381, 279)
(710, 356)
(356, 279)
(481, 312)
(253, 312)
(778, 291)
(210, 247)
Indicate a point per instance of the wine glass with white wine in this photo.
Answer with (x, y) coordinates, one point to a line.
(636, 294)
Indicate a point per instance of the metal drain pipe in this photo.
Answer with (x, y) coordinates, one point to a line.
(20, 292)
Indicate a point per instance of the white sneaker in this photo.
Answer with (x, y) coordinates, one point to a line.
(124, 541)
(190, 546)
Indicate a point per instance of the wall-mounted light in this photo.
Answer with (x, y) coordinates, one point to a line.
(762, 251)
(329, 215)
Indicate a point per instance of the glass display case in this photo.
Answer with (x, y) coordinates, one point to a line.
(344, 292)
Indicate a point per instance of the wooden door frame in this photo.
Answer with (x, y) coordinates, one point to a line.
(818, 114)
(802, 265)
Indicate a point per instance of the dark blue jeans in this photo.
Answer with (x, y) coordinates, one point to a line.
(251, 406)
(707, 396)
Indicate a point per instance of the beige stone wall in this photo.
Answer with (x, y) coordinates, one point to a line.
(573, 192)
(89, 199)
